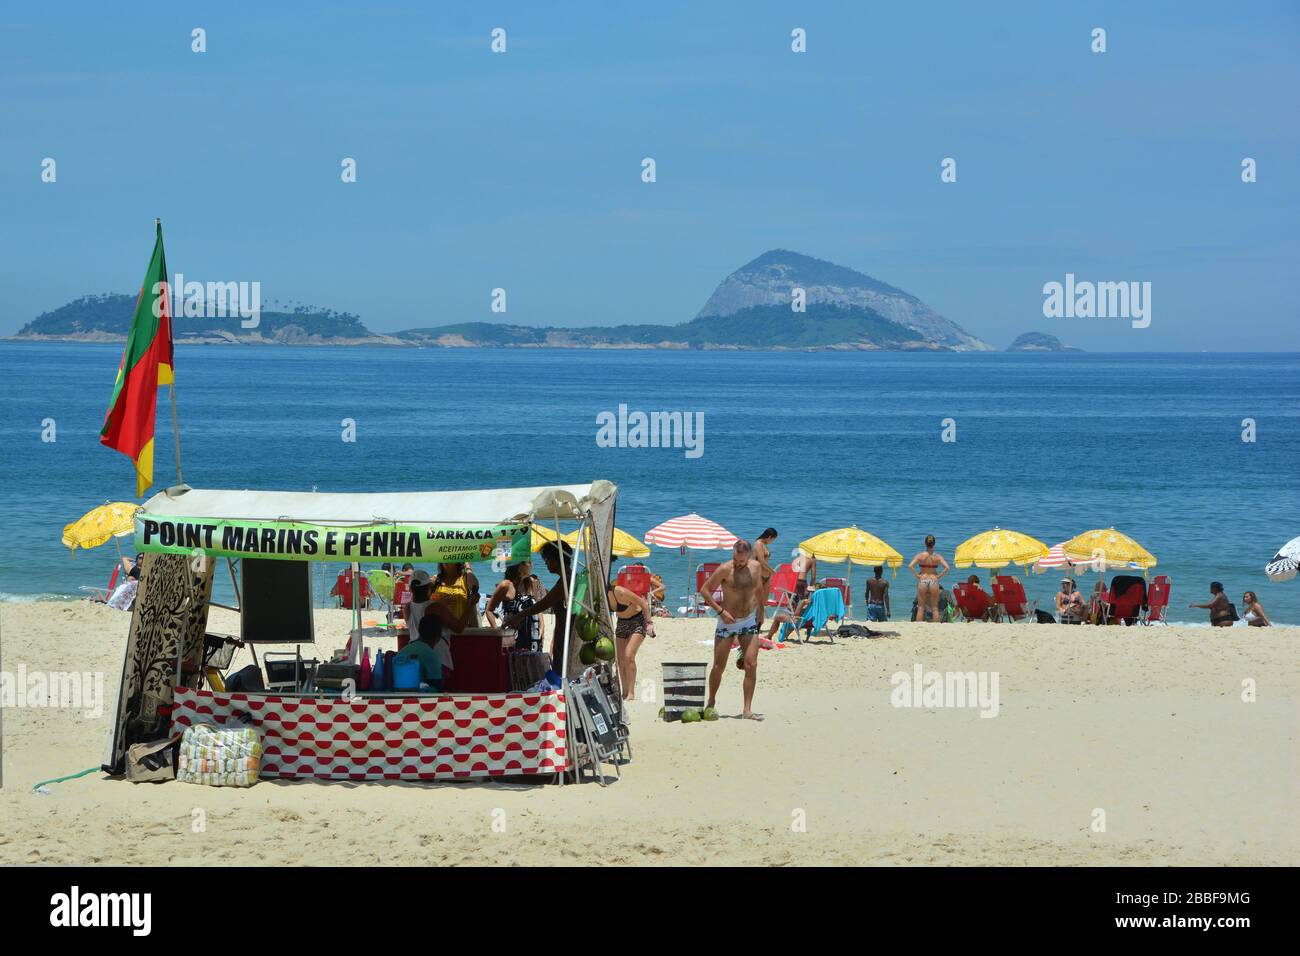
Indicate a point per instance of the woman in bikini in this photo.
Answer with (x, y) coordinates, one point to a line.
(763, 554)
(631, 624)
(512, 596)
(925, 565)
(1255, 616)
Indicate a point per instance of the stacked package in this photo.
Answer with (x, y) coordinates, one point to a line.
(219, 758)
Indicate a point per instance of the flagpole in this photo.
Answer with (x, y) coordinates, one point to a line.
(171, 332)
(176, 434)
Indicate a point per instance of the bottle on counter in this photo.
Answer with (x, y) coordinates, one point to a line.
(365, 679)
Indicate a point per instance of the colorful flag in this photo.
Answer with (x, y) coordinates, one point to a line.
(146, 364)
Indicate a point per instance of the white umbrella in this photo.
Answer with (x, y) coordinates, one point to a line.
(1286, 562)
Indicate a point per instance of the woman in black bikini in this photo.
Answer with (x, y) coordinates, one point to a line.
(927, 579)
(632, 623)
(559, 561)
(512, 596)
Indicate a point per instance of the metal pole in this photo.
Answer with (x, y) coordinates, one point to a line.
(356, 611)
(176, 432)
(171, 333)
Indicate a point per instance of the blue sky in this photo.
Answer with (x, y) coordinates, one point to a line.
(522, 170)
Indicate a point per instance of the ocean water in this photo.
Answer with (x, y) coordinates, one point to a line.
(1047, 444)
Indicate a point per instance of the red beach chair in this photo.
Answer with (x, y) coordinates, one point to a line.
(781, 594)
(693, 603)
(843, 585)
(636, 580)
(1157, 601)
(972, 603)
(96, 593)
(1009, 598)
(343, 589)
(1127, 595)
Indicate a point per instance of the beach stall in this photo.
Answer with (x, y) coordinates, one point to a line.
(323, 726)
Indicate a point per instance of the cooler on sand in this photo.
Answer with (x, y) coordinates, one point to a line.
(684, 685)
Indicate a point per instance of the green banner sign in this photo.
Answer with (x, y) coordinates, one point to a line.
(293, 541)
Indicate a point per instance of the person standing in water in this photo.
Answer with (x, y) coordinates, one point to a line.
(925, 565)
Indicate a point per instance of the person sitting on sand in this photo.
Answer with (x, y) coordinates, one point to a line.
(1255, 616)
(1220, 608)
(657, 608)
(1097, 603)
(878, 596)
(973, 584)
(741, 582)
(123, 596)
(925, 565)
(792, 617)
(1070, 608)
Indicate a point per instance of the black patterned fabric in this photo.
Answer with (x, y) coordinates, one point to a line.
(170, 607)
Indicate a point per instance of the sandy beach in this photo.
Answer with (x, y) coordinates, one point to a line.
(1145, 724)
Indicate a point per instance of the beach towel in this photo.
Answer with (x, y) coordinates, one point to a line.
(826, 603)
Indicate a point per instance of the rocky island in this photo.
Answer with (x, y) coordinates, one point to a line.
(781, 300)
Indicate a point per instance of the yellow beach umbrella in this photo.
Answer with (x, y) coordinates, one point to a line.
(541, 535)
(998, 548)
(1106, 547)
(851, 544)
(625, 545)
(113, 520)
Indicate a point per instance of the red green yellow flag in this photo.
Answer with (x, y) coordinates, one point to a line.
(146, 364)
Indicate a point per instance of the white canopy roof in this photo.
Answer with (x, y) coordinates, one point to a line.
(489, 506)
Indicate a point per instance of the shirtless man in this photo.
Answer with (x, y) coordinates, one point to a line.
(927, 579)
(741, 583)
(763, 555)
(878, 596)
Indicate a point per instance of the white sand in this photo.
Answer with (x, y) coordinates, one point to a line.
(1146, 724)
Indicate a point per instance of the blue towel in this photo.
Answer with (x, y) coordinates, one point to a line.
(826, 603)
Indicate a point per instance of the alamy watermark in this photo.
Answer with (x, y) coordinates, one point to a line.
(637, 429)
(72, 690)
(934, 689)
(199, 300)
(1098, 300)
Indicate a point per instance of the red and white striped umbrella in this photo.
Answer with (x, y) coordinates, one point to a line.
(690, 531)
(1055, 558)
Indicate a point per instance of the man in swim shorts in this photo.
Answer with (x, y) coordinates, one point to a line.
(741, 582)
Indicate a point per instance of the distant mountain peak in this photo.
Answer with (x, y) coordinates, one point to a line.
(769, 280)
